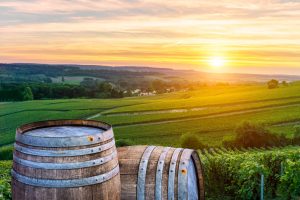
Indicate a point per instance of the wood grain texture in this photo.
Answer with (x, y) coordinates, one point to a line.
(129, 160)
(107, 190)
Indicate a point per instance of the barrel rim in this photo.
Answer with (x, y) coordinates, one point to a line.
(62, 122)
(64, 153)
(64, 141)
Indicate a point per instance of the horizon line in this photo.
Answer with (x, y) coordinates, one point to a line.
(153, 67)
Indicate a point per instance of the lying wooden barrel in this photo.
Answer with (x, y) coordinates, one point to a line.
(65, 159)
(154, 172)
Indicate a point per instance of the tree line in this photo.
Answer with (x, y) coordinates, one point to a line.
(31, 91)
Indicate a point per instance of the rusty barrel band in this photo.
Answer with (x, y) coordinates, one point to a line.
(159, 173)
(183, 174)
(66, 183)
(172, 171)
(63, 153)
(64, 141)
(141, 182)
(72, 165)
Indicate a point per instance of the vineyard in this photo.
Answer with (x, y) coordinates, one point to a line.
(5, 188)
(252, 173)
(233, 173)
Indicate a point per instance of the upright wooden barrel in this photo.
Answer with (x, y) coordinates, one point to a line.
(153, 172)
(65, 159)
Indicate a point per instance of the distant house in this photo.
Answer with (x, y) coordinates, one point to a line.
(136, 91)
(147, 94)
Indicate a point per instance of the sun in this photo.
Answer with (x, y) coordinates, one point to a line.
(216, 61)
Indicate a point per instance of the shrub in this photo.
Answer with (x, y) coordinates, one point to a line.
(290, 180)
(254, 135)
(123, 142)
(273, 84)
(236, 175)
(5, 187)
(191, 141)
(6, 153)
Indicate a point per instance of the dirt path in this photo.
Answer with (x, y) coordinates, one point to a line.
(287, 123)
(183, 110)
(93, 116)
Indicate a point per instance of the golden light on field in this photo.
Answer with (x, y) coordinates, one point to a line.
(216, 61)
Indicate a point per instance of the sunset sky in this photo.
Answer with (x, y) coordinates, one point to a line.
(218, 36)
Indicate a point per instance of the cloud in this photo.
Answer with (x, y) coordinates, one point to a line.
(151, 31)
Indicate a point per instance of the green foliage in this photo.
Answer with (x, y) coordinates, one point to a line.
(123, 142)
(27, 94)
(273, 84)
(284, 83)
(5, 178)
(6, 153)
(236, 175)
(255, 135)
(191, 141)
(289, 187)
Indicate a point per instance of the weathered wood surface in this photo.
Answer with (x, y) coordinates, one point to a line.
(131, 159)
(109, 189)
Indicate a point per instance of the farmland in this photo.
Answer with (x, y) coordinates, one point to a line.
(229, 175)
(212, 113)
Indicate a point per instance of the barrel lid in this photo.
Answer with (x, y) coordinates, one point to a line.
(64, 131)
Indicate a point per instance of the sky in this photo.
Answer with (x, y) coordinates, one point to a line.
(240, 36)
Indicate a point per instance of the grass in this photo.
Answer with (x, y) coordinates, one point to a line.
(158, 119)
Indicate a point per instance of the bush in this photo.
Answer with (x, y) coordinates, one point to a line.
(236, 175)
(6, 153)
(191, 141)
(290, 180)
(273, 84)
(5, 187)
(123, 142)
(254, 135)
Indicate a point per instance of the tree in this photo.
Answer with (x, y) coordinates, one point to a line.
(191, 141)
(255, 135)
(284, 83)
(63, 78)
(27, 94)
(273, 84)
(158, 86)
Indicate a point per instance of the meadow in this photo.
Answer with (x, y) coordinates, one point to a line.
(212, 113)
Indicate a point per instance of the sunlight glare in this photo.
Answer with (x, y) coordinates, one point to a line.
(216, 61)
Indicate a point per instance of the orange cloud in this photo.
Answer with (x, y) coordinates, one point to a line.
(252, 35)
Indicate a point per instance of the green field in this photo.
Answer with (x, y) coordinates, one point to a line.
(212, 113)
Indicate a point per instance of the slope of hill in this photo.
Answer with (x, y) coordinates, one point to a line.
(212, 113)
(39, 72)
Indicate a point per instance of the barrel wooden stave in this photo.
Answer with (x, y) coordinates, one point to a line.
(129, 160)
(65, 174)
(109, 189)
